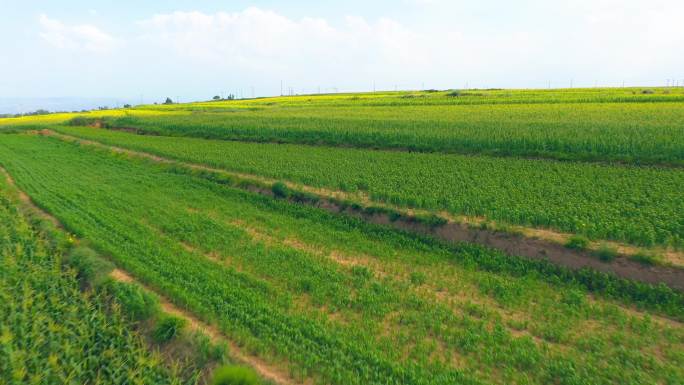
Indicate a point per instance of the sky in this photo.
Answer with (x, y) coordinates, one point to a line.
(145, 50)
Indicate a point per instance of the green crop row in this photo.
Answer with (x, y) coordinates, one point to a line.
(50, 331)
(640, 126)
(343, 301)
(639, 133)
(625, 203)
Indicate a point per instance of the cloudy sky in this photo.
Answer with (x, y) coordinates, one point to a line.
(196, 49)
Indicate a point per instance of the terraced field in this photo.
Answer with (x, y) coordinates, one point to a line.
(189, 200)
(625, 203)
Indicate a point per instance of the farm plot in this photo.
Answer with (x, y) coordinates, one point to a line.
(345, 302)
(627, 132)
(50, 331)
(638, 126)
(625, 203)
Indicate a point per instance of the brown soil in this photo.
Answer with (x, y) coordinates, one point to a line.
(519, 245)
(539, 244)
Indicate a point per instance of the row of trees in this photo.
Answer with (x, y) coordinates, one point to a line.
(46, 112)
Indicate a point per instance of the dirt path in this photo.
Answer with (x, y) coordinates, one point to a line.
(269, 372)
(539, 244)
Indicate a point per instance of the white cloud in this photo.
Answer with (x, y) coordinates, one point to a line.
(262, 39)
(82, 37)
(353, 51)
(441, 44)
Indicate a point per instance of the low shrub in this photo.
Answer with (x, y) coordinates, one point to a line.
(280, 190)
(645, 258)
(234, 375)
(167, 328)
(82, 121)
(304, 197)
(431, 220)
(577, 242)
(606, 253)
(137, 303)
(90, 267)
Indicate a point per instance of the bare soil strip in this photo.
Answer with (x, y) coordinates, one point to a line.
(379, 269)
(269, 372)
(538, 244)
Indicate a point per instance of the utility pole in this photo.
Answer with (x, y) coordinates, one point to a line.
(571, 83)
(281, 88)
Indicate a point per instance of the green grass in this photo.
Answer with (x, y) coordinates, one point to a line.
(234, 375)
(53, 333)
(335, 297)
(625, 203)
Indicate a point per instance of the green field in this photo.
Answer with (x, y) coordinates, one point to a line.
(625, 203)
(625, 127)
(583, 124)
(328, 298)
(320, 292)
(50, 331)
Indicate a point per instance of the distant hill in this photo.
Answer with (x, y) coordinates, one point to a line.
(24, 105)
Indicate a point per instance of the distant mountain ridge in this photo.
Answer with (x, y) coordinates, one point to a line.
(24, 105)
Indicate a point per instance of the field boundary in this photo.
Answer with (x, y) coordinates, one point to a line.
(264, 370)
(536, 244)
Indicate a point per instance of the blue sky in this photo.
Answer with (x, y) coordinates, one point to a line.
(196, 49)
